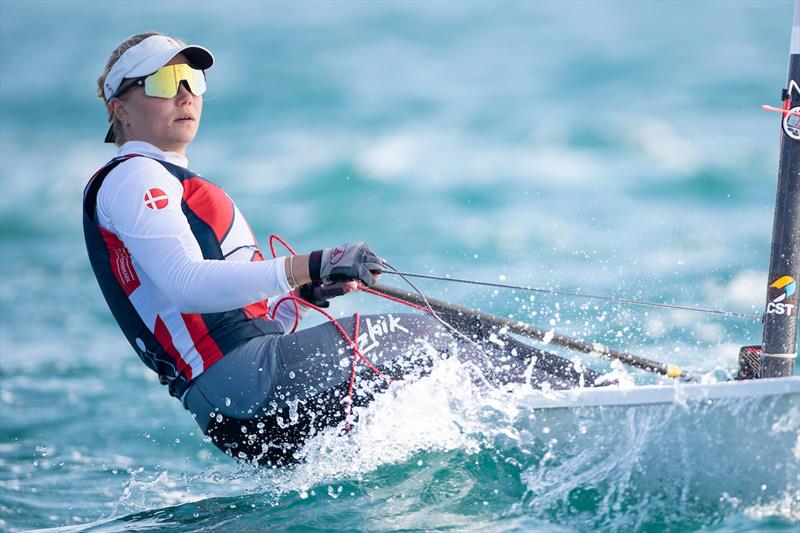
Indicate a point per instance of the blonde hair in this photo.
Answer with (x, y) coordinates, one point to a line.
(116, 125)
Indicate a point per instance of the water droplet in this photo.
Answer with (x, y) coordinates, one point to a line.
(227, 402)
(292, 374)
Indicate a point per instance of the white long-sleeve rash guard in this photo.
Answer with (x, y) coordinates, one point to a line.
(164, 249)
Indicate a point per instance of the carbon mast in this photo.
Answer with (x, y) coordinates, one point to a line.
(779, 347)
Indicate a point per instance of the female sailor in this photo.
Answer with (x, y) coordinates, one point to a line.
(183, 275)
(185, 280)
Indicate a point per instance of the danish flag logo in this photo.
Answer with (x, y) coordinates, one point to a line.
(156, 199)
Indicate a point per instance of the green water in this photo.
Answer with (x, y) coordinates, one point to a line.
(614, 148)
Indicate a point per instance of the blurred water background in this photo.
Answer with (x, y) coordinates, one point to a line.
(608, 147)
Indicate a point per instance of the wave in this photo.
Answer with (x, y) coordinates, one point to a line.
(447, 452)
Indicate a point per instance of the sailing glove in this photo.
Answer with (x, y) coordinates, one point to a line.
(345, 263)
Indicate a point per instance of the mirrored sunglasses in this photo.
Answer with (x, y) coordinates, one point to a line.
(165, 82)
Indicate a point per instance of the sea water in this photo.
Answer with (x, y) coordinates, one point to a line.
(613, 148)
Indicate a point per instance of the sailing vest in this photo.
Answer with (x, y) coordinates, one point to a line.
(177, 346)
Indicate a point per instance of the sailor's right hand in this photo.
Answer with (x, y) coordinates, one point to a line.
(349, 262)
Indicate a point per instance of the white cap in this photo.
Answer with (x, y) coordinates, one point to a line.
(150, 55)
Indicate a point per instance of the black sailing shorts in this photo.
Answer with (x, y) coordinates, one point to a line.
(264, 399)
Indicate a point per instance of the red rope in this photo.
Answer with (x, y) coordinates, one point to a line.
(341, 330)
(357, 318)
(392, 298)
(296, 310)
(272, 238)
(353, 342)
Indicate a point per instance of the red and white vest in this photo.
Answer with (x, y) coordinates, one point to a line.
(177, 346)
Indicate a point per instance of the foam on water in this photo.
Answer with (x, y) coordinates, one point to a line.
(434, 444)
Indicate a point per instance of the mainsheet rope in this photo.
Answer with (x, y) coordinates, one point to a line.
(296, 300)
(357, 317)
(352, 342)
(614, 299)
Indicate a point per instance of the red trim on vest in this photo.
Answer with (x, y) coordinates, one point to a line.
(165, 340)
(121, 263)
(210, 204)
(256, 310)
(203, 343)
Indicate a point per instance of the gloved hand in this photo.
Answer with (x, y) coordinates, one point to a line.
(344, 263)
(318, 294)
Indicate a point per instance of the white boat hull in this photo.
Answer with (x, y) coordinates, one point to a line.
(707, 447)
(664, 394)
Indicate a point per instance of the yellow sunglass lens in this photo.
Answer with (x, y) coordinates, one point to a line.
(164, 82)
